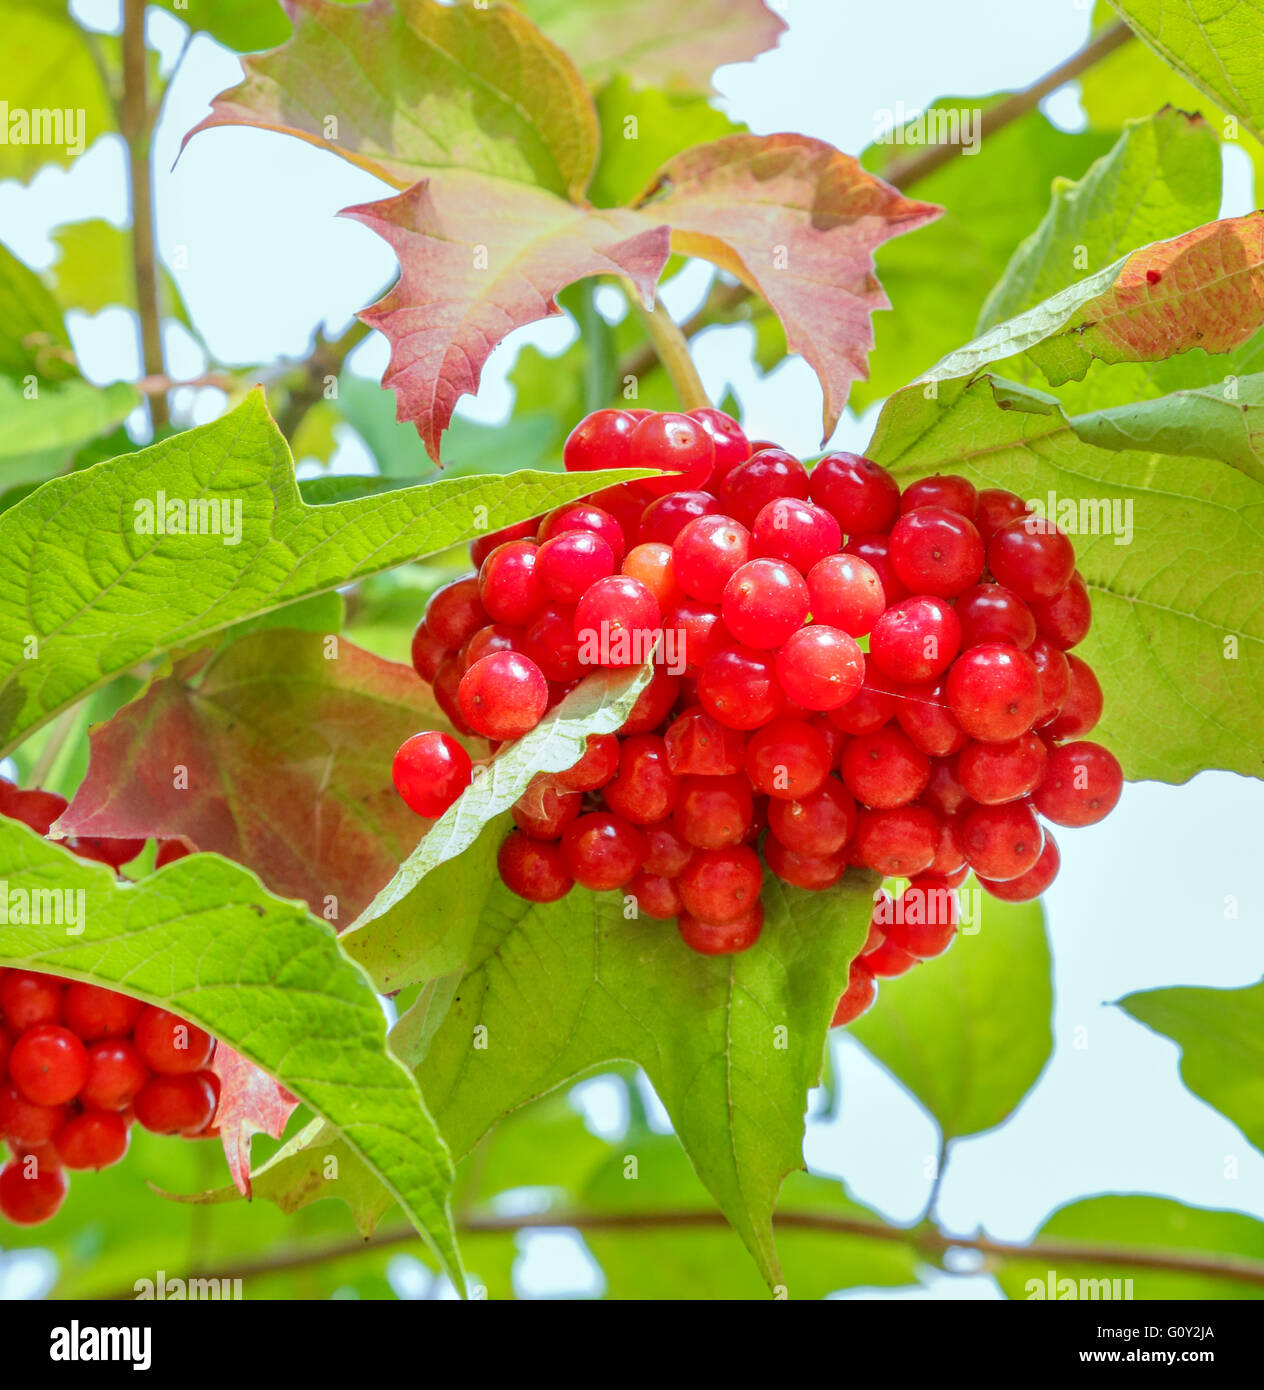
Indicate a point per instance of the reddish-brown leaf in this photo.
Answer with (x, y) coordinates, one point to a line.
(797, 221)
(250, 1103)
(478, 258)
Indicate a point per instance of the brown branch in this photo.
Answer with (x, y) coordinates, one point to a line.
(925, 1241)
(136, 124)
(325, 361)
(905, 173)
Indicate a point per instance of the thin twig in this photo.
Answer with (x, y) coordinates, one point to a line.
(325, 361)
(671, 348)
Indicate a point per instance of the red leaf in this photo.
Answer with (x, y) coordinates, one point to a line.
(479, 257)
(250, 1103)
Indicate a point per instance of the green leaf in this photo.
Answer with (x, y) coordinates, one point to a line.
(397, 935)
(1215, 46)
(245, 25)
(40, 434)
(33, 337)
(938, 280)
(1150, 1225)
(46, 71)
(95, 270)
(641, 130)
(103, 597)
(970, 1033)
(203, 938)
(1221, 1036)
(1172, 641)
(1160, 179)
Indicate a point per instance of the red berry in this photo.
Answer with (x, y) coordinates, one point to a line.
(994, 692)
(1053, 666)
(750, 486)
(936, 551)
(947, 490)
(33, 807)
(643, 790)
(503, 696)
(1032, 557)
(1066, 617)
(27, 1200)
(1031, 884)
(116, 1071)
(811, 872)
(106, 850)
(731, 445)
(24, 1120)
(818, 824)
(764, 602)
(48, 1064)
(666, 517)
(169, 851)
(544, 810)
(698, 743)
(176, 1104)
(595, 768)
(721, 938)
(707, 552)
(1001, 842)
(95, 1139)
(677, 444)
(652, 564)
(859, 997)
(924, 919)
(616, 622)
(993, 613)
(739, 687)
(787, 759)
(896, 843)
(846, 593)
(567, 565)
(721, 885)
(655, 896)
(871, 706)
(519, 531)
(430, 771)
(883, 769)
(798, 532)
(509, 586)
(666, 850)
(602, 851)
(93, 1013)
(862, 496)
(600, 440)
(584, 516)
(447, 684)
(28, 999)
(1082, 706)
(996, 507)
(534, 869)
(170, 1045)
(922, 712)
(454, 614)
(993, 773)
(915, 640)
(820, 667)
(693, 631)
(427, 652)
(1082, 785)
(653, 703)
(713, 812)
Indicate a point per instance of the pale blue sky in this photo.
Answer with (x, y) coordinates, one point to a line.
(248, 219)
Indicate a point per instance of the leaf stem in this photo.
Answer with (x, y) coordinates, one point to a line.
(671, 346)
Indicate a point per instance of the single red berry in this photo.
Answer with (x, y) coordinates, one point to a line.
(936, 551)
(33, 807)
(818, 824)
(731, 445)
(861, 495)
(721, 885)
(798, 532)
(644, 789)
(28, 999)
(820, 667)
(750, 486)
(484, 545)
(1082, 706)
(1001, 842)
(846, 593)
(568, 564)
(1083, 784)
(943, 793)
(997, 507)
(858, 998)
(600, 440)
(455, 613)
(922, 712)
(994, 692)
(898, 843)
(509, 586)
(585, 516)
(116, 1071)
(1032, 557)
(721, 938)
(29, 1198)
(92, 1013)
(25, 1121)
(1031, 884)
(915, 640)
(653, 704)
(924, 919)
(176, 1104)
(170, 1045)
(993, 773)
(666, 850)
(787, 759)
(666, 517)
(169, 851)
(739, 687)
(713, 812)
(427, 652)
(534, 869)
(655, 896)
(96, 1139)
(949, 862)
(617, 622)
(503, 696)
(48, 1064)
(602, 851)
(430, 770)
(993, 613)
(595, 768)
(887, 961)
(698, 743)
(875, 551)
(693, 632)
(812, 872)
(869, 709)
(447, 685)
(764, 602)
(544, 810)
(1066, 617)
(947, 490)
(707, 552)
(104, 849)
(884, 769)
(1053, 666)
(652, 564)
(679, 446)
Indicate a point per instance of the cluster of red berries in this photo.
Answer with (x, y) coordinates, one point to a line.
(766, 736)
(79, 1064)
